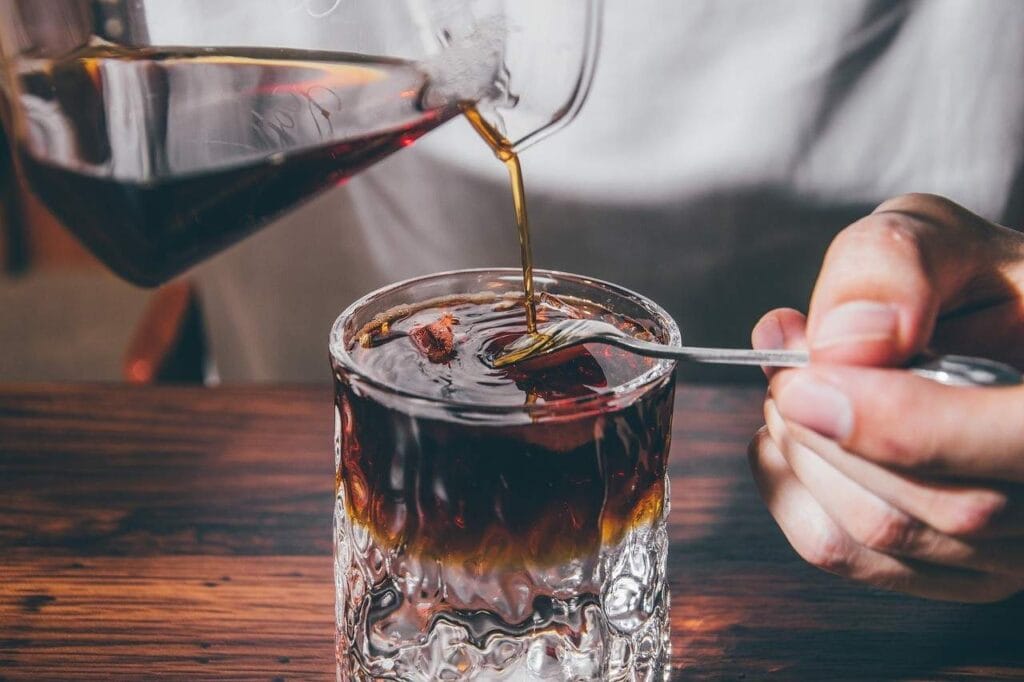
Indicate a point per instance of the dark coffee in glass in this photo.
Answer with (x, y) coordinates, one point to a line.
(506, 521)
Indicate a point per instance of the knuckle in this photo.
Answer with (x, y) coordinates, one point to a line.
(918, 456)
(827, 550)
(890, 532)
(903, 448)
(885, 230)
(915, 201)
(972, 515)
(894, 450)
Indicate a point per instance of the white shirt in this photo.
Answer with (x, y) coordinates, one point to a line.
(723, 145)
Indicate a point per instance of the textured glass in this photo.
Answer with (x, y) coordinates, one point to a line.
(515, 544)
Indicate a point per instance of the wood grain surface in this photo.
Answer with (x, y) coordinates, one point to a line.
(184, 533)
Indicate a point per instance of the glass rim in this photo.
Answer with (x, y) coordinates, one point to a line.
(661, 369)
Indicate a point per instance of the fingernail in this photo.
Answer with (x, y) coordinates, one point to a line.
(768, 335)
(818, 405)
(857, 322)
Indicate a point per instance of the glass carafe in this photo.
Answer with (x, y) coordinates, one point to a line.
(161, 131)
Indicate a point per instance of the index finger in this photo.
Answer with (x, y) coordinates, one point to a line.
(885, 279)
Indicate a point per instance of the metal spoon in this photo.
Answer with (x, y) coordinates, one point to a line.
(952, 370)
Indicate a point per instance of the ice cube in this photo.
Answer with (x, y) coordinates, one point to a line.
(436, 340)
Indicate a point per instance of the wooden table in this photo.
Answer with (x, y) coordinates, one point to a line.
(185, 533)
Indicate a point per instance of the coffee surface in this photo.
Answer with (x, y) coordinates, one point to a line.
(441, 350)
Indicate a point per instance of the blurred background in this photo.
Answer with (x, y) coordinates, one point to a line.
(65, 317)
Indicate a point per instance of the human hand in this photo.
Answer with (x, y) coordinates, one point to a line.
(874, 473)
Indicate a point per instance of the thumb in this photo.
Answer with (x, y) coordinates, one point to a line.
(886, 278)
(907, 422)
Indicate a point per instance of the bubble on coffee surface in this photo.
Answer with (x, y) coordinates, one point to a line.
(441, 349)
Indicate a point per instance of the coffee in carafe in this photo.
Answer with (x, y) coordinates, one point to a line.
(158, 158)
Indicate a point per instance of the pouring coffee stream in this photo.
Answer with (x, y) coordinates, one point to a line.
(503, 149)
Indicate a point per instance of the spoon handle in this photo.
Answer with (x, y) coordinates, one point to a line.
(716, 356)
(743, 356)
(952, 370)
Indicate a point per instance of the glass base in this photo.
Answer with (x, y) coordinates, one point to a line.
(400, 618)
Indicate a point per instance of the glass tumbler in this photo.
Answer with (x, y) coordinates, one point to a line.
(513, 542)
